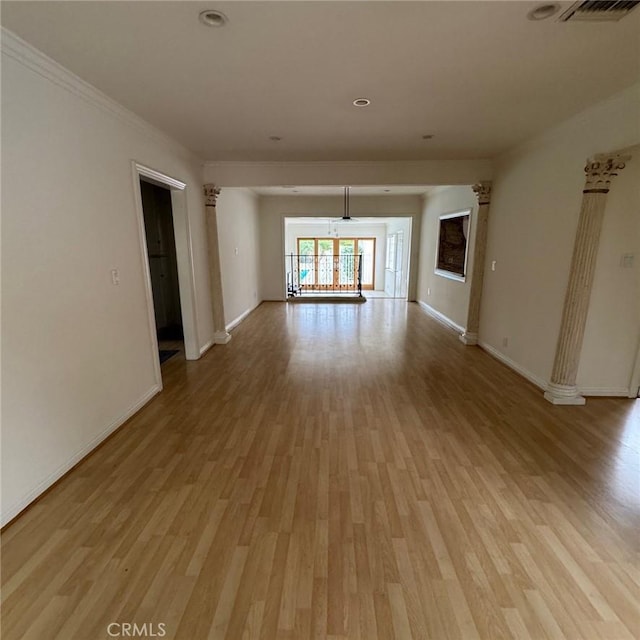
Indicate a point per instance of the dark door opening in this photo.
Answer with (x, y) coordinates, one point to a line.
(163, 265)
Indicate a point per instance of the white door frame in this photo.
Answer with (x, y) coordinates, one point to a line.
(184, 256)
(635, 377)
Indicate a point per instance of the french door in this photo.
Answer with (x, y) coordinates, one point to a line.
(332, 263)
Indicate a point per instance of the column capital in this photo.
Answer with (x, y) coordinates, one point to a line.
(601, 169)
(483, 192)
(211, 193)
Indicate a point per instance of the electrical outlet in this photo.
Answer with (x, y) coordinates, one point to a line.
(505, 342)
(115, 277)
(626, 262)
(428, 291)
(493, 265)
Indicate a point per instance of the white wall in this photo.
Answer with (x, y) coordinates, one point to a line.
(416, 172)
(77, 351)
(447, 296)
(535, 205)
(274, 209)
(238, 235)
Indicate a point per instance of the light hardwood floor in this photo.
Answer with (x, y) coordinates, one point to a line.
(340, 471)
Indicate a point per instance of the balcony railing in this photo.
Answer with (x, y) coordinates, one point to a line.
(323, 274)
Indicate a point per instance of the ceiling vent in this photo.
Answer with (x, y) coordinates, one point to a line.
(599, 10)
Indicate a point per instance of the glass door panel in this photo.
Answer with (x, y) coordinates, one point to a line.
(346, 261)
(306, 261)
(325, 262)
(332, 263)
(367, 249)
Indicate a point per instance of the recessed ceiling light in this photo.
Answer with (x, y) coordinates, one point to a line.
(427, 136)
(213, 18)
(275, 138)
(361, 102)
(543, 11)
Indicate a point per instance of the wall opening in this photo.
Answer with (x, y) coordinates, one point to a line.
(383, 275)
(181, 250)
(163, 268)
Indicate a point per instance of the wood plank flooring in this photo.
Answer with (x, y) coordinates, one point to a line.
(340, 471)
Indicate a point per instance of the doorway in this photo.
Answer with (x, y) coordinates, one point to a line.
(395, 276)
(163, 268)
(184, 255)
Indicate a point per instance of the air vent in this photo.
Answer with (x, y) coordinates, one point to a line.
(599, 10)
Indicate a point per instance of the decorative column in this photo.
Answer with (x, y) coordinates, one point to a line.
(483, 193)
(220, 334)
(600, 170)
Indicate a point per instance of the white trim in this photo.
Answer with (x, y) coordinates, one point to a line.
(440, 317)
(234, 323)
(24, 502)
(566, 397)
(221, 337)
(450, 275)
(160, 178)
(206, 347)
(531, 377)
(612, 392)
(634, 384)
(470, 339)
(456, 214)
(186, 275)
(144, 258)
(186, 270)
(32, 58)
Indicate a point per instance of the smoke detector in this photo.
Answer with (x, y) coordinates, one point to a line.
(599, 10)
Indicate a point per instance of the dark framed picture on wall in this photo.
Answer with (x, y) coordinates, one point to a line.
(453, 245)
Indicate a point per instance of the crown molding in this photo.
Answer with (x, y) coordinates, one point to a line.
(35, 60)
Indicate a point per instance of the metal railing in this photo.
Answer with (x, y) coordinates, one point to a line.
(323, 274)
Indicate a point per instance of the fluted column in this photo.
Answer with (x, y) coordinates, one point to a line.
(483, 193)
(600, 170)
(220, 334)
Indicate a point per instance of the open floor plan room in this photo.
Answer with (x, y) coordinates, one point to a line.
(339, 471)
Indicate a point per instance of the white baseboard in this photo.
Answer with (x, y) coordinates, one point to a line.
(234, 323)
(206, 347)
(10, 513)
(440, 317)
(531, 377)
(613, 392)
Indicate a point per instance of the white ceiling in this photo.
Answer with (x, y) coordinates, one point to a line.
(477, 75)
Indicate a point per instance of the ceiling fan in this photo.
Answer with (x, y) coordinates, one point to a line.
(346, 215)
